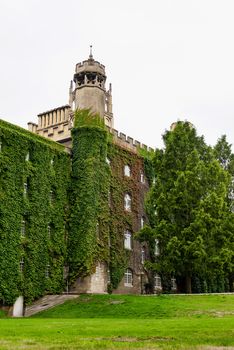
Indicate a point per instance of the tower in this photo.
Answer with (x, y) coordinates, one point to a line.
(90, 91)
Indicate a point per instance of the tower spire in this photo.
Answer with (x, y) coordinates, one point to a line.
(91, 52)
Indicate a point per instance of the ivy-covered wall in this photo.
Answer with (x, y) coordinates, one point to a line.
(98, 218)
(34, 177)
(122, 220)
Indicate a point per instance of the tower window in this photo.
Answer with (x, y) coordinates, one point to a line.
(156, 248)
(127, 202)
(128, 278)
(127, 240)
(157, 282)
(142, 178)
(127, 170)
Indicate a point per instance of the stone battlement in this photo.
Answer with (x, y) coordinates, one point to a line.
(127, 142)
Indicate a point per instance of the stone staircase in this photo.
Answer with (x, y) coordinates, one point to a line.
(47, 302)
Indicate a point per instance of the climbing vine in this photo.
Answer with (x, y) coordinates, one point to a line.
(89, 220)
(34, 176)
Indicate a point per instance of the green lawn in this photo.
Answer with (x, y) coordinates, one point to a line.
(126, 322)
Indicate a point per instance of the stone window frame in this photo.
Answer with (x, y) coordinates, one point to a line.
(128, 277)
(128, 240)
(157, 282)
(127, 170)
(156, 247)
(127, 202)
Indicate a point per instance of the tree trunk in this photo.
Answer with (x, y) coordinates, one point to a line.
(188, 284)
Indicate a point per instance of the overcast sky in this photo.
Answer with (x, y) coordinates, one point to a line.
(166, 60)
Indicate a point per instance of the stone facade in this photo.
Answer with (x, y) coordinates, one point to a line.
(87, 90)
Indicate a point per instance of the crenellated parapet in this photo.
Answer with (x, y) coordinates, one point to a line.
(127, 142)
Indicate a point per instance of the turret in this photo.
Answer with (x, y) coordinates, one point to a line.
(90, 91)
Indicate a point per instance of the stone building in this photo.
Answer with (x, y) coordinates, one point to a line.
(88, 90)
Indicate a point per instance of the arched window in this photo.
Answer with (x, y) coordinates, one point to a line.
(156, 248)
(142, 177)
(157, 282)
(127, 240)
(127, 202)
(127, 170)
(128, 278)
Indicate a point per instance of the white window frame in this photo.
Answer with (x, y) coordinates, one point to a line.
(27, 157)
(128, 240)
(142, 222)
(128, 278)
(25, 189)
(156, 248)
(127, 170)
(157, 282)
(142, 177)
(127, 202)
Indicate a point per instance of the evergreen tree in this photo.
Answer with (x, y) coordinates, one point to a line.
(188, 211)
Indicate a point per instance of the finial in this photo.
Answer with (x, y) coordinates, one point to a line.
(90, 52)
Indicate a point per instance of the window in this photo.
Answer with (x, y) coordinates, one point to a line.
(23, 228)
(27, 157)
(47, 271)
(173, 284)
(108, 276)
(142, 255)
(142, 178)
(127, 202)
(97, 230)
(107, 161)
(142, 221)
(127, 240)
(127, 170)
(128, 278)
(49, 231)
(51, 197)
(25, 189)
(21, 265)
(157, 282)
(156, 248)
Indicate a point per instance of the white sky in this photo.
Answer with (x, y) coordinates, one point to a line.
(166, 59)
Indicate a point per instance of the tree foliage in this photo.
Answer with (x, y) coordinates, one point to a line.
(188, 210)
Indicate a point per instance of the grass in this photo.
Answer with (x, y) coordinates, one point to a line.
(126, 322)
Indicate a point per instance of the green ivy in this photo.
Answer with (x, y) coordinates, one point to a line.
(89, 220)
(46, 170)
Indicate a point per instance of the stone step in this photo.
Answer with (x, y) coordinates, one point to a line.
(47, 302)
